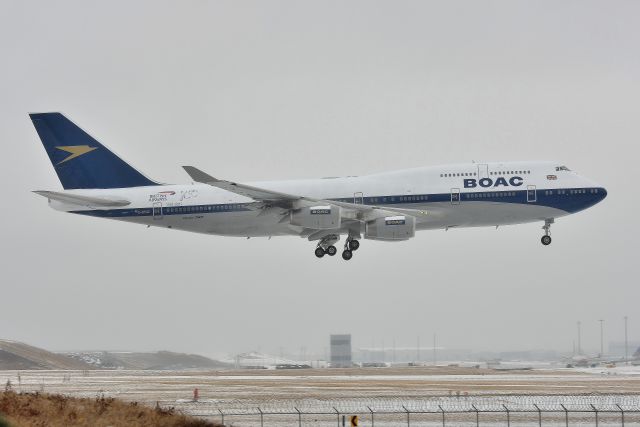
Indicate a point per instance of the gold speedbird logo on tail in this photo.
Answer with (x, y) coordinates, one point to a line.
(75, 151)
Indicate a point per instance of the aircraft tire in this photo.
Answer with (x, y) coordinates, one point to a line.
(354, 245)
(319, 252)
(347, 255)
(546, 240)
(331, 250)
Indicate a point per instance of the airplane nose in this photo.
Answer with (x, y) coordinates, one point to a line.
(600, 195)
(603, 192)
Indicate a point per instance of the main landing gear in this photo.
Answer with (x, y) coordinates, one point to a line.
(546, 239)
(325, 247)
(330, 250)
(350, 246)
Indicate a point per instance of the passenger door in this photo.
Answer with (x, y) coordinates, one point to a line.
(157, 210)
(483, 171)
(455, 196)
(358, 198)
(531, 193)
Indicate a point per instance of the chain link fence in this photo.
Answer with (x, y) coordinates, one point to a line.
(526, 410)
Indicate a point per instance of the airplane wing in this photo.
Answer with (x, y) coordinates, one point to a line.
(74, 199)
(353, 211)
(369, 212)
(242, 189)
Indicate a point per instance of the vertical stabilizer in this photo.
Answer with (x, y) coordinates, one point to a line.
(79, 160)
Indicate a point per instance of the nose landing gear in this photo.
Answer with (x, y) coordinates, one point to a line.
(546, 239)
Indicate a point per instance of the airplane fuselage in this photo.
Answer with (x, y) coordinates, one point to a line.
(458, 195)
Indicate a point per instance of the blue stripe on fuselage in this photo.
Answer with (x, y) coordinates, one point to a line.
(570, 200)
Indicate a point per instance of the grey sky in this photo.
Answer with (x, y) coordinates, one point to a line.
(286, 89)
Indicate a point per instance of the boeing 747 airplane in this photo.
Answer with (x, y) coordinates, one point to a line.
(388, 206)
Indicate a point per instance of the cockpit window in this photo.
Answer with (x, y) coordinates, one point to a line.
(562, 168)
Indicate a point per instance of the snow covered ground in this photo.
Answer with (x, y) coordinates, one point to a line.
(624, 370)
(385, 393)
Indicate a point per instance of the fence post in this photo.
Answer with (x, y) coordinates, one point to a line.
(299, 417)
(596, 412)
(566, 415)
(508, 415)
(222, 415)
(539, 415)
(442, 410)
(622, 412)
(407, 411)
(372, 421)
(477, 415)
(261, 417)
(337, 415)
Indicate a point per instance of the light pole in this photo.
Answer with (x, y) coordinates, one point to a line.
(626, 342)
(434, 350)
(601, 338)
(579, 334)
(394, 349)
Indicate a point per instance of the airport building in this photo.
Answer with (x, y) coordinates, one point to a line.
(341, 351)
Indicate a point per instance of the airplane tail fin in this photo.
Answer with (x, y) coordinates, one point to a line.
(79, 160)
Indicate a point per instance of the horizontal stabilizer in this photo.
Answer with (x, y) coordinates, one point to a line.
(74, 199)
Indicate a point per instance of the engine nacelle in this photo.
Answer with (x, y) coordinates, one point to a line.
(317, 217)
(391, 228)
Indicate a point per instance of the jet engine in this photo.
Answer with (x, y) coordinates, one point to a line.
(317, 217)
(391, 228)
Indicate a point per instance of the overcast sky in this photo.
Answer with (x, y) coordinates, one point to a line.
(252, 90)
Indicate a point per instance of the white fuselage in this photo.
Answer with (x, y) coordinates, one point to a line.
(459, 195)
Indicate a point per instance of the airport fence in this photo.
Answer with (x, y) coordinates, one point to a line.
(530, 411)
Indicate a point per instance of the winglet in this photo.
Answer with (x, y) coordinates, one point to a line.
(198, 176)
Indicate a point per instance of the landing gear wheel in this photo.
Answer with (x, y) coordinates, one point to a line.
(331, 250)
(319, 252)
(346, 255)
(354, 245)
(546, 239)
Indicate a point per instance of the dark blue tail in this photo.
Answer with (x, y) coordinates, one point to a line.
(79, 160)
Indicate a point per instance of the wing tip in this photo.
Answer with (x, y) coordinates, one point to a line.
(198, 175)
